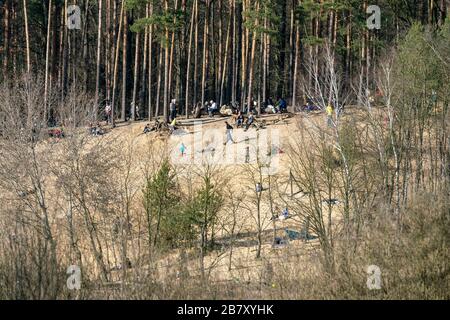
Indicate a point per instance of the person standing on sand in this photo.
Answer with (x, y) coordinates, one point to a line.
(229, 130)
(182, 149)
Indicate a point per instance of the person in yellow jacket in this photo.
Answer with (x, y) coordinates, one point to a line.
(329, 111)
(173, 125)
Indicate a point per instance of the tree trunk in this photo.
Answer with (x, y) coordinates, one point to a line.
(27, 39)
(166, 69)
(296, 61)
(150, 65)
(158, 87)
(65, 53)
(107, 51)
(99, 46)
(124, 66)
(6, 37)
(191, 29)
(62, 27)
(136, 77)
(442, 12)
(348, 47)
(171, 57)
(244, 39)
(225, 62)
(218, 78)
(234, 57)
(144, 65)
(116, 66)
(291, 51)
(252, 59)
(205, 52)
(264, 73)
(47, 57)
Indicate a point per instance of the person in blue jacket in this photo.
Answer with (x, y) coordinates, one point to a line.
(282, 105)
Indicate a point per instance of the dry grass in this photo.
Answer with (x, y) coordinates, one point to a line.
(414, 260)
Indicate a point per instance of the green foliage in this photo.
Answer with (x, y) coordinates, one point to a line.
(421, 69)
(312, 40)
(135, 4)
(172, 221)
(266, 12)
(417, 65)
(309, 9)
(162, 20)
(442, 41)
(202, 210)
(168, 224)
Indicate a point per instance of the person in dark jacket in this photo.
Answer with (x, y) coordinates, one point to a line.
(173, 109)
(229, 131)
(282, 105)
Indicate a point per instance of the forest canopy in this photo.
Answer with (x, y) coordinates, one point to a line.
(138, 55)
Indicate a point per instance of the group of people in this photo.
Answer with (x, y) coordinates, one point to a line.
(156, 127)
(96, 130)
(244, 122)
(241, 121)
(283, 215)
(268, 106)
(279, 107)
(242, 118)
(173, 125)
(212, 108)
(309, 106)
